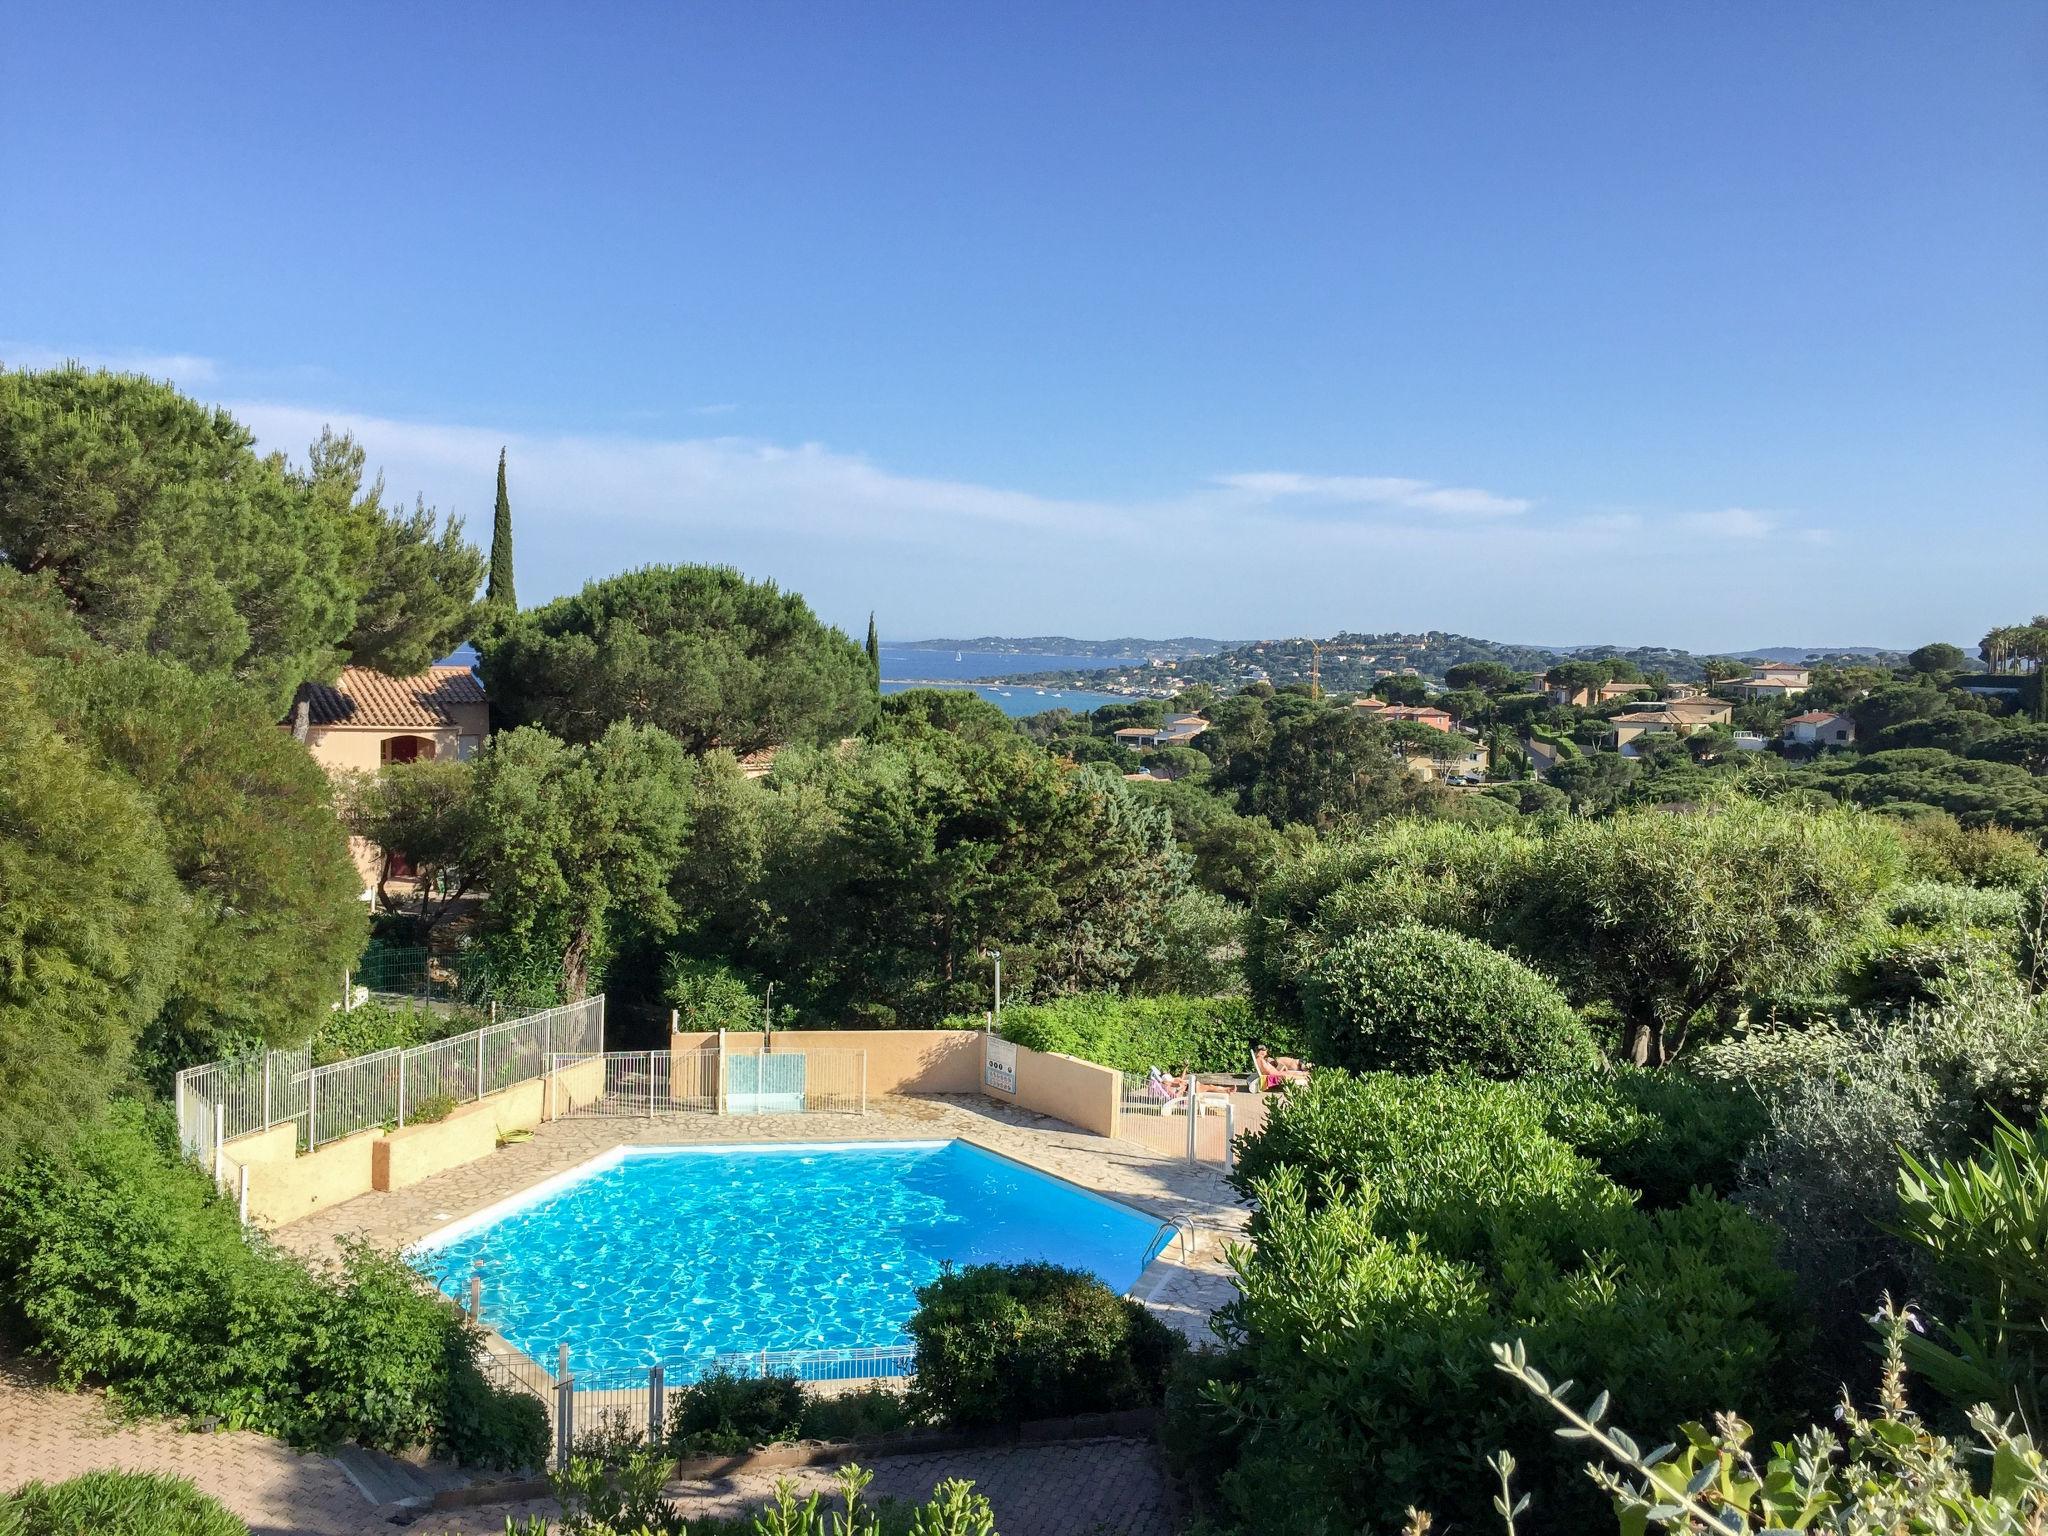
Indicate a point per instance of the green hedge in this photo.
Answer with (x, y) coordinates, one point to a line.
(1659, 1133)
(375, 1026)
(1133, 1034)
(121, 1265)
(709, 994)
(1404, 1224)
(116, 1504)
(1417, 999)
(1003, 1343)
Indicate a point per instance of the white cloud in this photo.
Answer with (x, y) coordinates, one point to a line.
(1260, 552)
(1731, 523)
(179, 367)
(650, 484)
(1375, 491)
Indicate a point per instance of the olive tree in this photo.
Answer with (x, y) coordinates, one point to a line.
(1665, 915)
(575, 841)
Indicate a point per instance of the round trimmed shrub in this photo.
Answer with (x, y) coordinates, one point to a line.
(723, 1414)
(1416, 999)
(1002, 1343)
(116, 1504)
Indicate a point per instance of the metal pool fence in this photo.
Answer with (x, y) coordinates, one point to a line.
(225, 1099)
(639, 1401)
(648, 1084)
(1156, 1114)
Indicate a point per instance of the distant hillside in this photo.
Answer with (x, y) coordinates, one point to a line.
(1350, 663)
(1067, 645)
(1869, 655)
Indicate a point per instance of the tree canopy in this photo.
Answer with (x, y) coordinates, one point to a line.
(91, 921)
(414, 579)
(869, 880)
(502, 592)
(167, 533)
(697, 651)
(576, 842)
(1661, 915)
(269, 914)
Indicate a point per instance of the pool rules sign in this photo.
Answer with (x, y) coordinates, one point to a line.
(1000, 1070)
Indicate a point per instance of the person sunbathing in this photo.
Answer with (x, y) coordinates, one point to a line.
(1276, 1071)
(1164, 1085)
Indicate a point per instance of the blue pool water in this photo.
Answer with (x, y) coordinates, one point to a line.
(669, 1254)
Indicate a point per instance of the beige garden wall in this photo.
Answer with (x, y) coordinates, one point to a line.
(415, 1152)
(284, 1189)
(283, 1186)
(1067, 1088)
(899, 1060)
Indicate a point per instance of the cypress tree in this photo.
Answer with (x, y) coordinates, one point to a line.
(498, 590)
(874, 652)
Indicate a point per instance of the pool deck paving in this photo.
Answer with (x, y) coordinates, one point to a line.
(1106, 1487)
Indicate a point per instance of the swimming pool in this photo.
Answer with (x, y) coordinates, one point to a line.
(668, 1255)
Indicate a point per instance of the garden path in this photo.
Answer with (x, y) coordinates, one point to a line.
(1107, 1487)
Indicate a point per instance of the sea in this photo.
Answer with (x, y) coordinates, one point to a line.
(904, 668)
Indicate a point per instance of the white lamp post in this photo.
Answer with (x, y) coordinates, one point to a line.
(992, 953)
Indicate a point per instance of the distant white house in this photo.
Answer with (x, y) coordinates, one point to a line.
(1778, 680)
(1818, 728)
(1174, 731)
(1470, 763)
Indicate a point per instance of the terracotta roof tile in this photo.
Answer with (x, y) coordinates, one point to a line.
(365, 698)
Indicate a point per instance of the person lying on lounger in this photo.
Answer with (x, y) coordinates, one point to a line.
(1164, 1085)
(1276, 1072)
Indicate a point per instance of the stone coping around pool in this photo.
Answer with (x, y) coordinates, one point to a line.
(787, 1455)
(1183, 1288)
(1161, 1187)
(1159, 1270)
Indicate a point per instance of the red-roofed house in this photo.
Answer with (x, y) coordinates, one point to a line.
(1417, 714)
(365, 719)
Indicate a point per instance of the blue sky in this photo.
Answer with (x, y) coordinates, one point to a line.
(1700, 324)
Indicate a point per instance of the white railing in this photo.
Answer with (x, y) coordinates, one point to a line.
(852, 1364)
(634, 1084)
(1194, 1119)
(226, 1099)
(647, 1084)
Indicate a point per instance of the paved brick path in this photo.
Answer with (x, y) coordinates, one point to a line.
(1108, 1487)
(1089, 1488)
(53, 1435)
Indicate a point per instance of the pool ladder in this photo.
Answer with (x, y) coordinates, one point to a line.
(1182, 1228)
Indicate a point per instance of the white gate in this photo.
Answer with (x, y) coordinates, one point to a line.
(647, 1084)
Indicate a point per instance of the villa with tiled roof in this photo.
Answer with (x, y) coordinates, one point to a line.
(364, 719)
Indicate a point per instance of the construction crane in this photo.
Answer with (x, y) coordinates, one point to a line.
(1315, 669)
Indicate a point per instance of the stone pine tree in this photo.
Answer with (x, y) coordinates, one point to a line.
(498, 591)
(874, 652)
